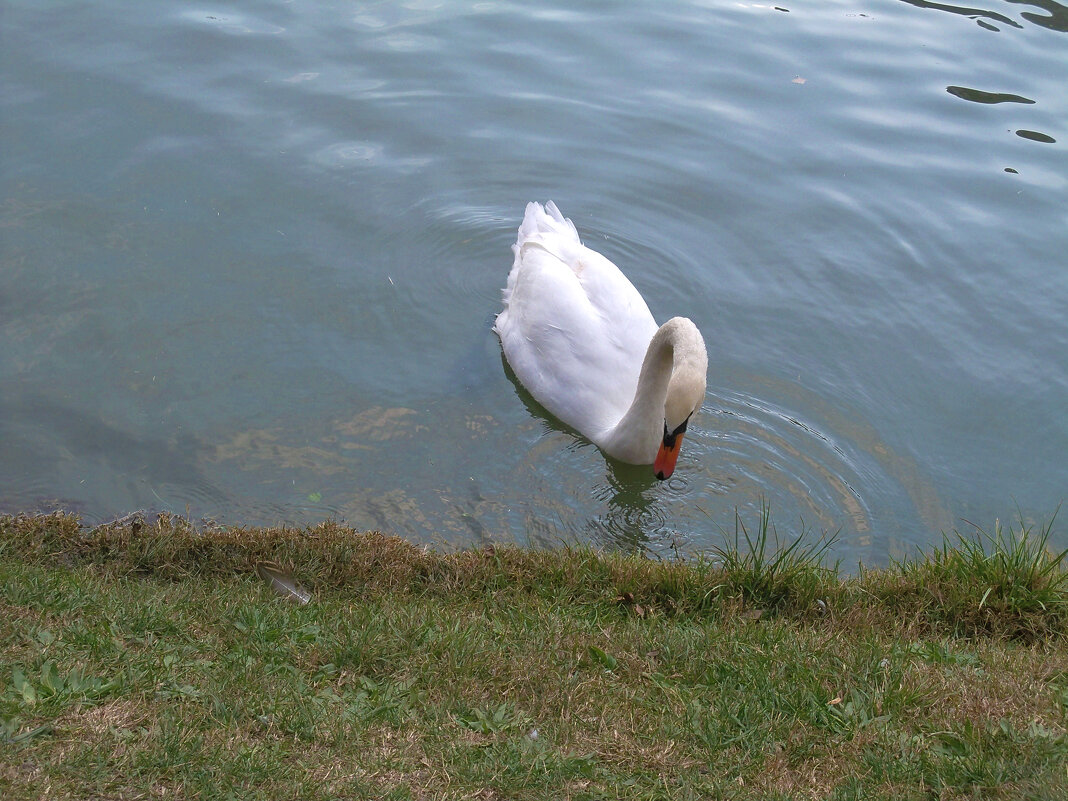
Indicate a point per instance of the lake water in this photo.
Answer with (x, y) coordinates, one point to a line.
(252, 253)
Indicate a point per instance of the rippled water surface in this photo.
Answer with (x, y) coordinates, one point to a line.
(252, 253)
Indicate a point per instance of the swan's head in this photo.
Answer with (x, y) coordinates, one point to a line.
(686, 392)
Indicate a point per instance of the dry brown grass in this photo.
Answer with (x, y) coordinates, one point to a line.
(923, 599)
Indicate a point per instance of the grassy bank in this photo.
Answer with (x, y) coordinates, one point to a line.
(148, 659)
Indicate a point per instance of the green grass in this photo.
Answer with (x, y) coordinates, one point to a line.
(785, 576)
(147, 659)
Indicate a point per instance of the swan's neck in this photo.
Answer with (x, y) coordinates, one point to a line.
(678, 350)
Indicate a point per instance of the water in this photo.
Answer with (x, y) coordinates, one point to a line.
(252, 252)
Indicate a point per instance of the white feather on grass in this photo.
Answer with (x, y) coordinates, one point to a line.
(282, 583)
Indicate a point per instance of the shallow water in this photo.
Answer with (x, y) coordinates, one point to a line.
(252, 252)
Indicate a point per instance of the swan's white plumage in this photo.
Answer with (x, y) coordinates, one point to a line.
(576, 332)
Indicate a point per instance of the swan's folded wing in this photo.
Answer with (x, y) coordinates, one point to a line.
(574, 331)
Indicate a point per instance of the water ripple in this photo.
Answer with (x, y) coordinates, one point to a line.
(233, 24)
(978, 14)
(978, 96)
(1036, 136)
(349, 154)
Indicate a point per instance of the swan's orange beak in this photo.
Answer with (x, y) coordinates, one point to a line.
(666, 457)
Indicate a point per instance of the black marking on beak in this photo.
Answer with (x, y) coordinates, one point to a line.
(671, 436)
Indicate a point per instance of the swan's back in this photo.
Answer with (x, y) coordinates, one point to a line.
(574, 329)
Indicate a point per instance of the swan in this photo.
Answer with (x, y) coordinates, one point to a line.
(581, 339)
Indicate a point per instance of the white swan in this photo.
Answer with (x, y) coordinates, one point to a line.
(581, 339)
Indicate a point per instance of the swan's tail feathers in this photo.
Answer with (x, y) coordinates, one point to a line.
(546, 229)
(545, 219)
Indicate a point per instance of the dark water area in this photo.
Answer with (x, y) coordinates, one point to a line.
(251, 254)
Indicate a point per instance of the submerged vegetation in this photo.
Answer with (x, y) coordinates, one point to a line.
(151, 657)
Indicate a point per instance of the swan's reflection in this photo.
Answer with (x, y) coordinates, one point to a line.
(635, 507)
(628, 491)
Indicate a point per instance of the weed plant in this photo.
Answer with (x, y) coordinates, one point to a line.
(776, 577)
